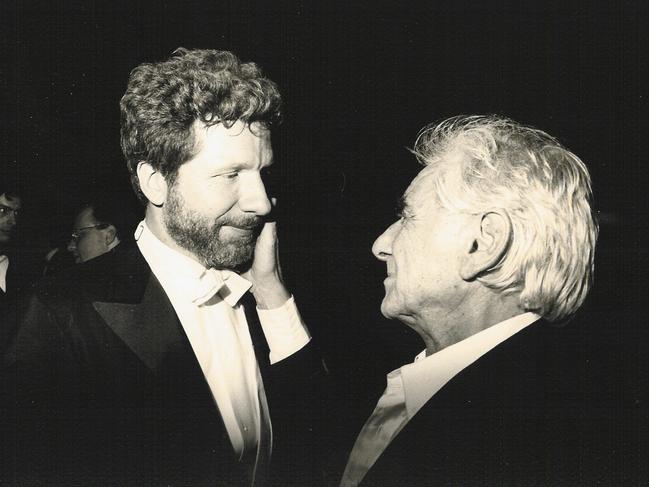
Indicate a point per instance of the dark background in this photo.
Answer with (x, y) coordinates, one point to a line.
(359, 80)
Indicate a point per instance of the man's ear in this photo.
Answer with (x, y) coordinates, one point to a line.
(489, 244)
(110, 233)
(152, 183)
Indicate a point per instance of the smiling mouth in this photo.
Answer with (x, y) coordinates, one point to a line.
(243, 230)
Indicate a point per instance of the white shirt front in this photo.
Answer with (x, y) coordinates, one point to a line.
(216, 327)
(4, 266)
(412, 386)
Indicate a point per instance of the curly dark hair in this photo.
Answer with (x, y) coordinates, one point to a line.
(164, 99)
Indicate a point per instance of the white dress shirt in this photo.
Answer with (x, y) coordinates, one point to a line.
(206, 302)
(4, 266)
(412, 386)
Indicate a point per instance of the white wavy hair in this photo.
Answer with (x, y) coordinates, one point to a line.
(544, 188)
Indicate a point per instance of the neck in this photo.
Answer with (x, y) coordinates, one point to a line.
(439, 332)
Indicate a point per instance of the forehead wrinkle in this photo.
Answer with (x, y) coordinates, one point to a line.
(421, 193)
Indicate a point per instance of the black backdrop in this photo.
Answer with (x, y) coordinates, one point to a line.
(359, 80)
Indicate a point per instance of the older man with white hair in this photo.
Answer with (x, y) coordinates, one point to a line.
(494, 242)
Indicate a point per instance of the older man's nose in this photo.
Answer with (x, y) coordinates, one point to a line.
(382, 247)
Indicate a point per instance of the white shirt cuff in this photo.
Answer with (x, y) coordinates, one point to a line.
(284, 329)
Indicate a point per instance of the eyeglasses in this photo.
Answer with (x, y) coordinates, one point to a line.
(7, 210)
(76, 235)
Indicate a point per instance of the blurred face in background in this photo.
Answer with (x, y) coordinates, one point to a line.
(9, 210)
(90, 237)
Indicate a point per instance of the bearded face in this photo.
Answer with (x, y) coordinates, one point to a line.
(224, 242)
(216, 203)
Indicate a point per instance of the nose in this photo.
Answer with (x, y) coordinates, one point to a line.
(382, 248)
(11, 219)
(253, 197)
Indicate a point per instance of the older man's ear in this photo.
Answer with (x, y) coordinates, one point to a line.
(489, 242)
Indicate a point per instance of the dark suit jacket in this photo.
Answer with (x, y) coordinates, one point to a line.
(21, 274)
(107, 388)
(524, 414)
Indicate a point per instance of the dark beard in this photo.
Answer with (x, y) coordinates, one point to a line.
(201, 236)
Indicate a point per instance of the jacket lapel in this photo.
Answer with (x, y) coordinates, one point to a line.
(149, 328)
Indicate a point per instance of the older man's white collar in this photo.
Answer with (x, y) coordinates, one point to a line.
(184, 276)
(427, 375)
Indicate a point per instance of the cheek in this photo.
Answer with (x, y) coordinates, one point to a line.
(213, 202)
(414, 273)
(91, 244)
(83, 247)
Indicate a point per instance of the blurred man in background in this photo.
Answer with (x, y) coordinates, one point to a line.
(10, 205)
(98, 227)
(16, 273)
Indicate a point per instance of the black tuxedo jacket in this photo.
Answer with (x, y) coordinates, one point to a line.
(105, 387)
(524, 414)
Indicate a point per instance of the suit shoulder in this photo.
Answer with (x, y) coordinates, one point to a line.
(117, 276)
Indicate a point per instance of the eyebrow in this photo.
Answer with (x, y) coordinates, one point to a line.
(242, 165)
(401, 205)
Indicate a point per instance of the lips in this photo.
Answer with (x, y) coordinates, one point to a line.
(241, 230)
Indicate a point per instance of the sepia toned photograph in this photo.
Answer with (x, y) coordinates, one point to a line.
(302, 243)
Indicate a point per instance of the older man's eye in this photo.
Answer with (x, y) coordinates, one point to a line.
(231, 175)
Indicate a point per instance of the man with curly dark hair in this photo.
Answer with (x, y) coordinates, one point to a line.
(162, 362)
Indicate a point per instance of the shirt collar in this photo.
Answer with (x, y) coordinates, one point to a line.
(427, 375)
(4, 266)
(184, 276)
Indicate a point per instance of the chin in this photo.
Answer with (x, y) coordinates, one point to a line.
(235, 258)
(396, 309)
